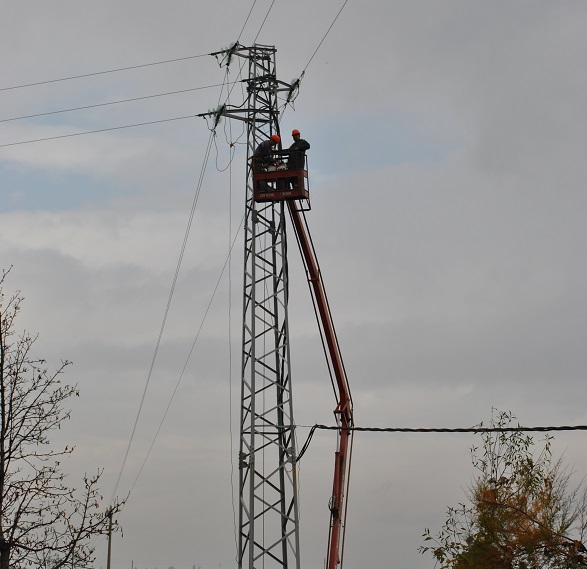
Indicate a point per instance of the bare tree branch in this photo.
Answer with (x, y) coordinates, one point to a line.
(44, 522)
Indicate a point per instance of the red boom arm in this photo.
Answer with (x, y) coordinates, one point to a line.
(344, 407)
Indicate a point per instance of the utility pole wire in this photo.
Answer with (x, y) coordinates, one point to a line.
(94, 131)
(140, 98)
(185, 365)
(154, 358)
(315, 52)
(247, 19)
(264, 20)
(102, 72)
(227, 262)
(478, 429)
(166, 313)
(110, 103)
(322, 40)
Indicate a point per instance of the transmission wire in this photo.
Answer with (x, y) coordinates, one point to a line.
(110, 103)
(95, 131)
(207, 155)
(162, 328)
(212, 135)
(284, 106)
(244, 25)
(479, 429)
(327, 32)
(264, 20)
(103, 104)
(226, 262)
(102, 72)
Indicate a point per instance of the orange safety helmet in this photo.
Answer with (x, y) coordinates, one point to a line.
(295, 131)
(275, 138)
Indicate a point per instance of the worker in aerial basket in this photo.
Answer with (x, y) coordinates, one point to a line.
(297, 157)
(262, 156)
(297, 151)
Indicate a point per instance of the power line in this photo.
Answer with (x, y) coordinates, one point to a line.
(264, 20)
(95, 131)
(176, 276)
(110, 128)
(207, 154)
(130, 67)
(183, 248)
(226, 263)
(165, 315)
(136, 98)
(315, 52)
(143, 97)
(102, 72)
(110, 103)
(327, 32)
(478, 429)
(245, 24)
(164, 321)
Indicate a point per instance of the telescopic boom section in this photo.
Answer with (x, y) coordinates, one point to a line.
(344, 407)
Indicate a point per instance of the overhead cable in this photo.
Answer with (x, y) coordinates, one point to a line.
(327, 32)
(116, 102)
(110, 103)
(244, 25)
(94, 131)
(165, 315)
(154, 358)
(226, 263)
(478, 429)
(102, 72)
(294, 88)
(264, 20)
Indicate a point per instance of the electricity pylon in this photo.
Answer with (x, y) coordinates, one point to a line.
(268, 498)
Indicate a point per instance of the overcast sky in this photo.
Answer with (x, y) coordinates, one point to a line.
(448, 178)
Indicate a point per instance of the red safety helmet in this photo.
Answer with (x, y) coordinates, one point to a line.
(275, 138)
(295, 131)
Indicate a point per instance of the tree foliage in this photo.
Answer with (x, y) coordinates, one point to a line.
(523, 511)
(43, 521)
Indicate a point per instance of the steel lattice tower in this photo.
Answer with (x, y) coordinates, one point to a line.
(268, 508)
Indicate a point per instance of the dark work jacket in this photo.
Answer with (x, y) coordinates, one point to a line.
(297, 152)
(262, 155)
